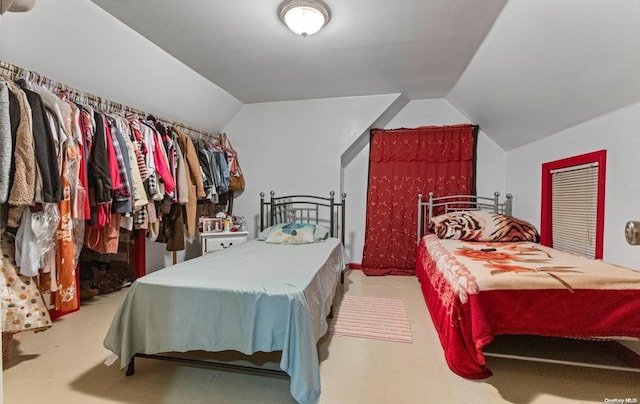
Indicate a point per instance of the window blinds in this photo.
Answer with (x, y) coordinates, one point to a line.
(574, 207)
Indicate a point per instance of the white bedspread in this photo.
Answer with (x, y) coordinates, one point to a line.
(249, 298)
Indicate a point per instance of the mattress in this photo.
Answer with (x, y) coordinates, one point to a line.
(252, 297)
(477, 290)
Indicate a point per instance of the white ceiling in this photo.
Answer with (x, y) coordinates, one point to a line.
(548, 65)
(415, 47)
(520, 69)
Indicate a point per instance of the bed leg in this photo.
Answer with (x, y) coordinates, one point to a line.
(131, 368)
(342, 278)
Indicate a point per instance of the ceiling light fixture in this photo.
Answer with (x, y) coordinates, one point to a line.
(304, 17)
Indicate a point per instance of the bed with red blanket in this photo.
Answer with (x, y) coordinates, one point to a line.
(500, 285)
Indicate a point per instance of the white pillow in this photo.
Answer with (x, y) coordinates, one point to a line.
(292, 233)
(318, 233)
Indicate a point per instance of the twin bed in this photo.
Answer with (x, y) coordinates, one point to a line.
(500, 281)
(262, 296)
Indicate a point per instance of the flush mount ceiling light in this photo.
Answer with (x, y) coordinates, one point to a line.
(304, 17)
(16, 6)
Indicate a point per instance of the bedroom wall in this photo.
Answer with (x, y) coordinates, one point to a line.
(296, 147)
(98, 54)
(617, 132)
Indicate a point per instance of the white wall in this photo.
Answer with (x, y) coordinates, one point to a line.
(617, 132)
(295, 147)
(75, 42)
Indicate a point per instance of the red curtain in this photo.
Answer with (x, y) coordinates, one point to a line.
(402, 164)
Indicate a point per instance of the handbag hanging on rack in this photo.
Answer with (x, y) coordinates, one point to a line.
(236, 181)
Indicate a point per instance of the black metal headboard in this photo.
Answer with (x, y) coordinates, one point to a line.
(304, 209)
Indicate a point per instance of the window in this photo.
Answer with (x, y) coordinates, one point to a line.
(572, 217)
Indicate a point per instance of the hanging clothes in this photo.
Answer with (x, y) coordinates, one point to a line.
(80, 209)
(58, 114)
(182, 192)
(23, 307)
(65, 299)
(195, 185)
(208, 173)
(23, 165)
(138, 193)
(223, 169)
(100, 186)
(6, 141)
(123, 195)
(161, 161)
(45, 150)
(28, 256)
(78, 173)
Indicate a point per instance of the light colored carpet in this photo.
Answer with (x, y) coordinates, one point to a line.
(65, 365)
(373, 318)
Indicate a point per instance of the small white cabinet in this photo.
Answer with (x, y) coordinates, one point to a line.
(217, 241)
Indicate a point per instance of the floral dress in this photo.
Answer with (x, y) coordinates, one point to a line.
(23, 307)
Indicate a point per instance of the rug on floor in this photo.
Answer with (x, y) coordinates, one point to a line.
(371, 317)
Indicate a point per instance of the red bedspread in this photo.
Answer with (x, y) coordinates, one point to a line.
(521, 288)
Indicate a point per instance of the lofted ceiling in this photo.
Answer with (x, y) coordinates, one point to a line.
(548, 65)
(415, 47)
(520, 69)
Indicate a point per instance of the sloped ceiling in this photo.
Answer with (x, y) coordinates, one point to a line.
(521, 69)
(415, 47)
(547, 65)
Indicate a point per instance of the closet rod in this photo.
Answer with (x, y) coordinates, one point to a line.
(17, 72)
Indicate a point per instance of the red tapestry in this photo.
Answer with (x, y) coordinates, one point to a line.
(402, 164)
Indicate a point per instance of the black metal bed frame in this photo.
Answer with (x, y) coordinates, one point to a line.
(300, 208)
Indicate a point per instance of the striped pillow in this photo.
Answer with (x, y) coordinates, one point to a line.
(478, 225)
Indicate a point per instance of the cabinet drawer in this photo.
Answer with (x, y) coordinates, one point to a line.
(213, 244)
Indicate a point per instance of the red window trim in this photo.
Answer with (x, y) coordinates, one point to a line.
(600, 157)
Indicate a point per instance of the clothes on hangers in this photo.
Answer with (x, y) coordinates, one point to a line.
(24, 171)
(6, 142)
(80, 171)
(213, 161)
(49, 189)
(193, 174)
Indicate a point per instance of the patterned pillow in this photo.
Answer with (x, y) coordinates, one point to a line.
(320, 233)
(478, 225)
(292, 233)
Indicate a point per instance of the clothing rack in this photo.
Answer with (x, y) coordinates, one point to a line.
(16, 72)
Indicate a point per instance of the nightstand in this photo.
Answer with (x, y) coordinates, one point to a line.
(218, 241)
